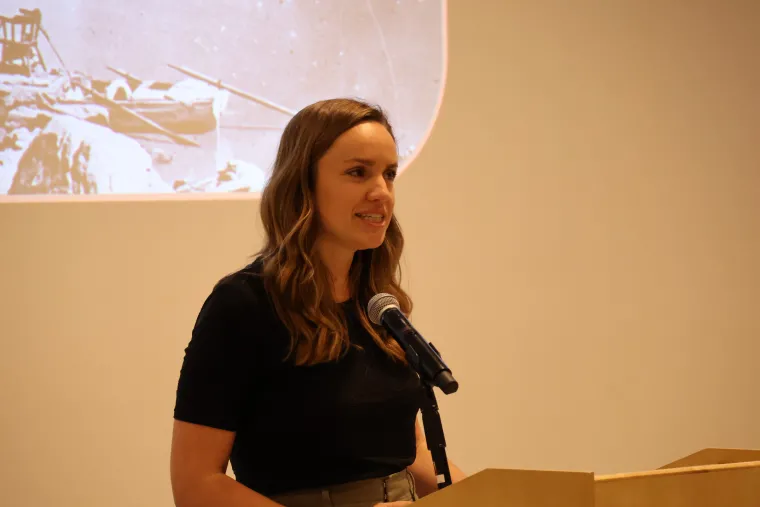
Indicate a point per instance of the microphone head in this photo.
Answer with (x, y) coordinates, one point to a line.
(378, 304)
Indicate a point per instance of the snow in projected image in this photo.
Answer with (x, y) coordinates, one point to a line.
(158, 97)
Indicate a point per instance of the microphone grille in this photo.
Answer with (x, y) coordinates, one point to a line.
(378, 304)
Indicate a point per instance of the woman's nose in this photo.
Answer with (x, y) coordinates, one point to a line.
(380, 190)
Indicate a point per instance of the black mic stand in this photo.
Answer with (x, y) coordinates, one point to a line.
(436, 441)
(431, 418)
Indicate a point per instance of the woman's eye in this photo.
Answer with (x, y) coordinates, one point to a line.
(391, 175)
(357, 171)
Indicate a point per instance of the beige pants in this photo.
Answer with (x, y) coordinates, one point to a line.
(364, 493)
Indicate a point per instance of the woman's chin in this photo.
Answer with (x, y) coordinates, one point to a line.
(371, 243)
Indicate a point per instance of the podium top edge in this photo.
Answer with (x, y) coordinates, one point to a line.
(678, 471)
(495, 470)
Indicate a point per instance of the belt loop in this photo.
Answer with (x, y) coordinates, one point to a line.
(385, 489)
(326, 500)
(412, 484)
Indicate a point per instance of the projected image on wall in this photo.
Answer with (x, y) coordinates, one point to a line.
(160, 97)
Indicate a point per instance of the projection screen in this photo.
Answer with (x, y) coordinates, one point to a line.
(155, 99)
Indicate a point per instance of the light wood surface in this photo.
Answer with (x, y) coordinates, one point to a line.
(517, 488)
(715, 456)
(721, 485)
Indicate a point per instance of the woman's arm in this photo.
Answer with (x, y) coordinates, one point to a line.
(423, 470)
(199, 456)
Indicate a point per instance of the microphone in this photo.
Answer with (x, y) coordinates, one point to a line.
(384, 310)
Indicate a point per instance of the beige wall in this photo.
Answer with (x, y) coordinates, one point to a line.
(583, 241)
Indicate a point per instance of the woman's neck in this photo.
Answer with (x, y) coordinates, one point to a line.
(338, 263)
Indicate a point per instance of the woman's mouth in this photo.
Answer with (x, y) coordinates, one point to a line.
(372, 218)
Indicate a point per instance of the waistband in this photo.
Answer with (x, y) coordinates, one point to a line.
(375, 488)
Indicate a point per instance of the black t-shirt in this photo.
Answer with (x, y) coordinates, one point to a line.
(296, 426)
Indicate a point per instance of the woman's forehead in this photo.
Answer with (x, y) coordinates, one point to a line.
(369, 141)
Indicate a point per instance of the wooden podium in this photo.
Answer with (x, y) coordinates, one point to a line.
(708, 478)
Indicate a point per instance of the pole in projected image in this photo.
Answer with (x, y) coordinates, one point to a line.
(384, 310)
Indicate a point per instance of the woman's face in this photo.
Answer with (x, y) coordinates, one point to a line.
(354, 188)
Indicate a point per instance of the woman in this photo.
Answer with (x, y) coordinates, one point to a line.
(284, 375)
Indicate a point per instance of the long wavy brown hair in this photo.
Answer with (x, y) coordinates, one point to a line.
(297, 281)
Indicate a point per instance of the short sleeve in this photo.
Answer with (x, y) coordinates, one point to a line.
(213, 378)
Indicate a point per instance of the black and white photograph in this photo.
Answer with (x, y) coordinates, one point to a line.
(156, 98)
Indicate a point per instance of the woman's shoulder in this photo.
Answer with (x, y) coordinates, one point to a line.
(239, 295)
(245, 281)
(237, 312)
